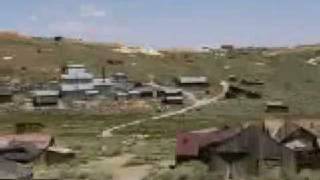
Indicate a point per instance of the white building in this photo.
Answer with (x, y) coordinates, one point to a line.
(76, 80)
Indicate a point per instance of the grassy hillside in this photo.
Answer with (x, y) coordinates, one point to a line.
(287, 75)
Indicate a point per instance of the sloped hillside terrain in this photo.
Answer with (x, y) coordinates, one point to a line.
(287, 74)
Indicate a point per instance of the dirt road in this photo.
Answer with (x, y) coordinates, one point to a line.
(196, 104)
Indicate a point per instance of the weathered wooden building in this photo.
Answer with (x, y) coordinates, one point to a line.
(248, 151)
(303, 144)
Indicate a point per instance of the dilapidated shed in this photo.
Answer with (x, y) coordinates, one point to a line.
(276, 107)
(246, 151)
(194, 81)
(45, 97)
(302, 143)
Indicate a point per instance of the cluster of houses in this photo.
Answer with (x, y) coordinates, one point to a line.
(78, 83)
(253, 149)
(19, 151)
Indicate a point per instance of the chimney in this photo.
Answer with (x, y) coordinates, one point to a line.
(103, 74)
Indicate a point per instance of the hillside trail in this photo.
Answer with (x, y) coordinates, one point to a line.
(196, 104)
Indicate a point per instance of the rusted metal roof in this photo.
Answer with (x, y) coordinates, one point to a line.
(39, 140)
(190, 143)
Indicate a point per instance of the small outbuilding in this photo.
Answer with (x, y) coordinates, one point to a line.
(169, 92)
(194, 81)
(45, 97)
(276, 107)
(59, 155)
(178, 100)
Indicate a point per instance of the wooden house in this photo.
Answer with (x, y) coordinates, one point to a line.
(303, 144)
(248, 151)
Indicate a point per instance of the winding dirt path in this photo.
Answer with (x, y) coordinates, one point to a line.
(196, 104)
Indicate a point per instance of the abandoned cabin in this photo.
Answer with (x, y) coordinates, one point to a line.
(6, 95)
(235, 91)
(251, 150)
(178, 100)
(192, 81)
(171, 96)
(45, 97)
(276, 107)
(170, 92)
(32, 147)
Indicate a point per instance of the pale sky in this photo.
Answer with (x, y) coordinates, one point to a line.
(168, 23)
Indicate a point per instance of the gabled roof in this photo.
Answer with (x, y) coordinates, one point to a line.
(286, 129)
(39, 140)
(190, 143)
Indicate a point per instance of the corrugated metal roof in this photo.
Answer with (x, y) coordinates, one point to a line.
(77, 72)
(76, 87)
(45, 93)
(192, 79)
(102, 82)
(172, 98)
(92, 92)
(76, 66)
(77, 75)
(172, 90)
(274, 103)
